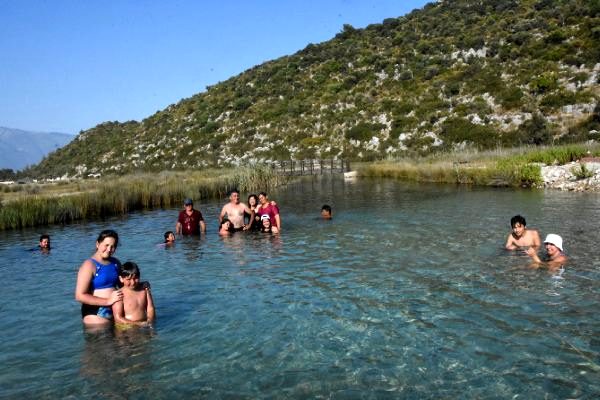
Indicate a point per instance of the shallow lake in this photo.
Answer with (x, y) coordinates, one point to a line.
(406, 293)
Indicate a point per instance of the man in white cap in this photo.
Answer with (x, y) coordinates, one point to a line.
(554, 248)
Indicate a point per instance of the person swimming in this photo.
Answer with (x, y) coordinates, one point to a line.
(520, 236)
(169, 238)
(556, 257)
(266, 225)
(226, 228)
(326, 212)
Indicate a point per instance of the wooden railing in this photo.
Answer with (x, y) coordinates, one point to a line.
(311, 167)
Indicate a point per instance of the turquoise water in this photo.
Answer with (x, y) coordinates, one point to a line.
(407, 293)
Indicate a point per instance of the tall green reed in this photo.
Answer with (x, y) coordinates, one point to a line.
(121, 195)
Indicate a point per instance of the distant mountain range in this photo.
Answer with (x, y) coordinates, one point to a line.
(455, 74)
(19, 148)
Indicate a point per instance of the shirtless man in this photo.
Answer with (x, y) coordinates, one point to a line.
(234, 210)
(554, 249)
(521, 236)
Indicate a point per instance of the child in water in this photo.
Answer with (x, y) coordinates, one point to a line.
(137, 306)
(169, 238)
(226, 228)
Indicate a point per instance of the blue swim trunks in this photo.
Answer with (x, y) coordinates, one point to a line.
(104, 312)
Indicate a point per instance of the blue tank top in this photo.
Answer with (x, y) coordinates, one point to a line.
(106, 276)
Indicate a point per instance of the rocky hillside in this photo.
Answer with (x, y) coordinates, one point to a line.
(453, 74)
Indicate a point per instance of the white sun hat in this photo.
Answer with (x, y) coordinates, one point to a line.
(555, 240)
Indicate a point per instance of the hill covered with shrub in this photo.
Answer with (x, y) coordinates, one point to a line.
(454, 74)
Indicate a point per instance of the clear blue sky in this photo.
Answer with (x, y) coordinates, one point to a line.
(68, 65)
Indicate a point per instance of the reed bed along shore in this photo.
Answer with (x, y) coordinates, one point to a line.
(516, 167)
(110, 196)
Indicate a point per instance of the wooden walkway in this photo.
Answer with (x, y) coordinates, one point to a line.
(311, 167)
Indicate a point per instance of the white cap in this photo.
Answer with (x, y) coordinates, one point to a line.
(555, 240)
(265, 216)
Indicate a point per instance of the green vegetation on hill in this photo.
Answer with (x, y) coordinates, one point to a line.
(455, 74)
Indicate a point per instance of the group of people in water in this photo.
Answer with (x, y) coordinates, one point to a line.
(528, 240)
(259, 214)
(110, 291)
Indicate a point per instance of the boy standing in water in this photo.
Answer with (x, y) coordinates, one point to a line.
(137, 306)
(521, 236)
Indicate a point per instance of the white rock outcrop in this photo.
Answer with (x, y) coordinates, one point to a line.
(564, 177)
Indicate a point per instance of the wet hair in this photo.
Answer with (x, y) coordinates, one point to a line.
(232, 191)
(167, 234)
(230, 229)
(44, 236)
(262, 225)
(255, 198)
(129, 269)
(327, 208)
(108, 233)
(263, 194)
(517, 219)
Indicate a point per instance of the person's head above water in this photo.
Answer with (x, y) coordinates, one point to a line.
(265, 221)
(129, 275)
(252, 200)
(517, 219)
(129, 269)
(554, 240)
(326, 211)
(45, 241)
(169, 237)
(517, 224)
(263, 198)
(234, 196)
(226, 227)
(108, 233)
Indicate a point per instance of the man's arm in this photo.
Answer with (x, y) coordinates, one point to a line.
(178, 228)
(551, 264)
(535, 239)
(202, 226)
(510, 245)
(222, 215)
(531, 252)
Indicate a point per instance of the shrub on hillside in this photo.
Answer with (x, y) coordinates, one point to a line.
(510, 98)
(459, 130)
(535, 131)
(363, 131)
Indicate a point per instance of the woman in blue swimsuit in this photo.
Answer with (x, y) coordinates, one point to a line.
(97, 280)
